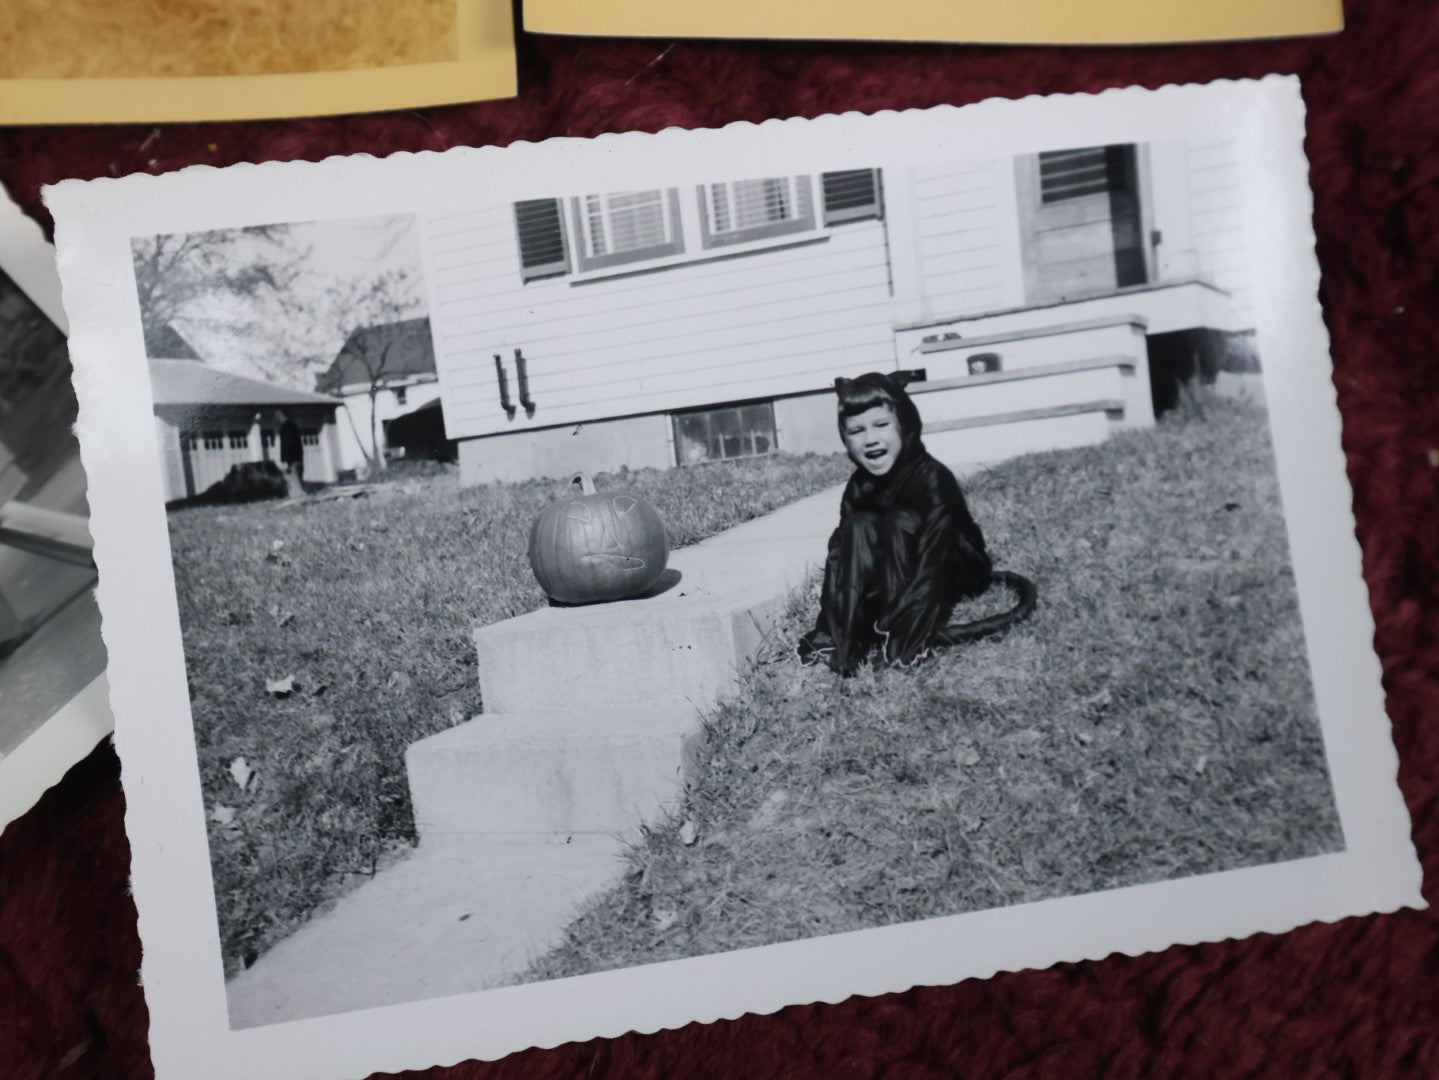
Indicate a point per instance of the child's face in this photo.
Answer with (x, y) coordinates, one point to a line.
(873, 439)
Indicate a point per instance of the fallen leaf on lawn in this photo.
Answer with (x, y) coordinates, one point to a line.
(688, 834)
(281, 687)
(277, 553)
(967, 756)
(1201, 764)
(223, 815)
(665, 919)
(399, 682)
(282, 618)
(769, 810)
(241, 772)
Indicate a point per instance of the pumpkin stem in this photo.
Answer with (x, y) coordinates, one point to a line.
(587, 486)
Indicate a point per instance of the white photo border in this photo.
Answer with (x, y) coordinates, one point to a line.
(182, 972)
(74, 729)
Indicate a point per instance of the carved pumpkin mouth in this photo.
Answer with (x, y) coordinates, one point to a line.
(619, 562)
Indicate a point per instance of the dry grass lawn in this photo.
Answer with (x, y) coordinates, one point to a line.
(368, 604)
(1154, 720)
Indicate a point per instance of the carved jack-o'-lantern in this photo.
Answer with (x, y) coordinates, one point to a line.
(597, 546)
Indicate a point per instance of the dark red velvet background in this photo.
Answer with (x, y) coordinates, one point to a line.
(1358, 998)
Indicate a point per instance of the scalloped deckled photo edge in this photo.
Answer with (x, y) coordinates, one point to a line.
(837, 186)
(58, 726)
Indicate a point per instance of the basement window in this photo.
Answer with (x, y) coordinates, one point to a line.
(724, 433)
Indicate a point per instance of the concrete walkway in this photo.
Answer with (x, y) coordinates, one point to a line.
(590, 717)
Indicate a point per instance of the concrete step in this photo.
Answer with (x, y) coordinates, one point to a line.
(683, 645)
(444, 921)
(977, 397)
(1026, 347)
(562, 771)
(969, 445)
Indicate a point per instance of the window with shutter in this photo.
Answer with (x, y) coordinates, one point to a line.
(1094, 170)
(541, 228)
(851, 195)
(625, 227)
(1082, 222)
(739, 211)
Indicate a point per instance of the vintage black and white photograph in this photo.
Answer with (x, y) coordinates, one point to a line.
(869, 531)
(52, 707)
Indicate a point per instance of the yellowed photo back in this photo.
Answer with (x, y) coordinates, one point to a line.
(1016, 22)
(86, 61)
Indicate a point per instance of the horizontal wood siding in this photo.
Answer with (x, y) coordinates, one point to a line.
(1216, 198)
(966, 235)
(749, 326)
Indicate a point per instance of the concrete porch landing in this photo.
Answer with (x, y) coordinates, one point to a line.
(590, 718)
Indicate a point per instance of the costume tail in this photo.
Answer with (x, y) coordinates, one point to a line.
(959, 633)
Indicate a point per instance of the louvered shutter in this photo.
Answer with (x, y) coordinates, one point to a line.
(541, 227)
(851, 195)
(1093, 170)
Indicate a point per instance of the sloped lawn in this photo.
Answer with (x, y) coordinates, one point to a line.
(1153, 720)
(368, 604)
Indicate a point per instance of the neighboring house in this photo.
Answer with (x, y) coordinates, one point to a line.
(420, 434)
(208, 421)
(1042, 301)
(397, 361)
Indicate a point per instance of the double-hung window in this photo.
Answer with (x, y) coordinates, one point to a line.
(658, 225)
(739, 211)
(626, 227)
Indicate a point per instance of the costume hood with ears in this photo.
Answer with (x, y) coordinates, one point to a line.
(876, 388)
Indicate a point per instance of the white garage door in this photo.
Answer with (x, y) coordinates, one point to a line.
(211, 453)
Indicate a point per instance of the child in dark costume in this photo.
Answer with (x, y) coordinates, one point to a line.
(906, 549)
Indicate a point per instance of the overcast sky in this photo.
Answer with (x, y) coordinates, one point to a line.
(340, 251)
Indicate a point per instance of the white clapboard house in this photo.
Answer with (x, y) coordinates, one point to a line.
(208, 420)
(1042, 301)
(382, 373)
